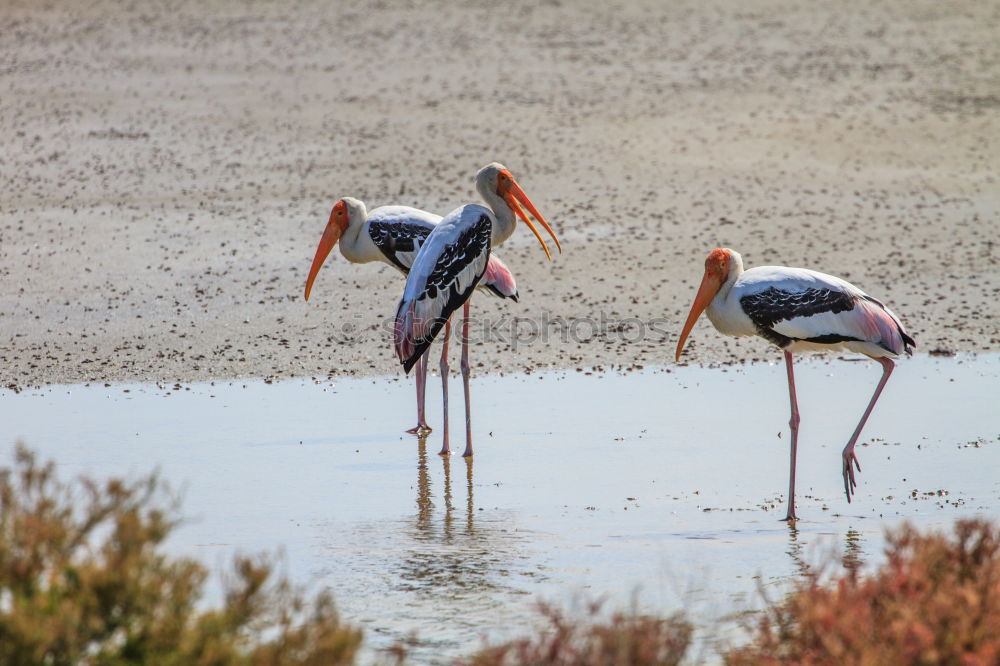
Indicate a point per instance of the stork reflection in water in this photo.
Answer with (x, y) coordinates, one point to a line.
(462, 557)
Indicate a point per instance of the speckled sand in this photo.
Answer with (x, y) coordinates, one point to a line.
(168, 168)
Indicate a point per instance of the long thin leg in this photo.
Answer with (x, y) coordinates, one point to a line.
(421, 380)
(793, 423)
(849, 483)
(465, 380)
(424, 362)
(445, 446)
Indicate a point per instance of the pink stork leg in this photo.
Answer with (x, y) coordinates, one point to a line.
(445, 446)
(849, 483)
(465, 381)
(421, 379)
(793, 423)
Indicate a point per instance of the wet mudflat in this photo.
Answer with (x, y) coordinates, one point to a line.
(669, 482)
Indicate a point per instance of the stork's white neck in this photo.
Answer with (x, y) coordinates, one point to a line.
(735, 271)
(350, 244)
(726, 313)
(504, 220)
(356, 244)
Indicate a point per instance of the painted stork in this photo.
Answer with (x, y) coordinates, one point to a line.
(451, 263)
(394, 235)
(799, 310)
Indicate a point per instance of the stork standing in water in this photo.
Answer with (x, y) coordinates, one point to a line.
(394, 235)
(453, 260)
(799, 310)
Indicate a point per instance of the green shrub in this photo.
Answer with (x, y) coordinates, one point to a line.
(936, 600)
(83, 582)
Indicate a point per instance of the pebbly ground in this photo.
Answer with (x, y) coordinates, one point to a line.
(168, 168)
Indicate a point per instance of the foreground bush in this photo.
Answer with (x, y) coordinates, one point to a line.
(624, 640)
(82, 582)
(935, 601)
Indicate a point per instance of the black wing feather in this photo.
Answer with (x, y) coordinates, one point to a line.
(394, 237)
(768, 307)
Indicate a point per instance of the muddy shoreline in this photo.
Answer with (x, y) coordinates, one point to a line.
(168, 173)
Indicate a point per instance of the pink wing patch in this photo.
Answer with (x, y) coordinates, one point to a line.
(499, 276)
(408, 328)
(877, 325)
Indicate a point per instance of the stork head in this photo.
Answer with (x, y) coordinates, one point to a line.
(344, 212)
(718, 265)
(494, 180)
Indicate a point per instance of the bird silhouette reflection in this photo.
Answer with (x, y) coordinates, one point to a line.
(853, 558)
(795, 551)
(450, 553)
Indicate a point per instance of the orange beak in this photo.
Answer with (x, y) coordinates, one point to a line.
(710, 286)
(331, 235)
(513, 194)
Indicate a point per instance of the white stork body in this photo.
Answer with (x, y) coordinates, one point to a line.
(394, 235)
(442, 279)
(799, 310)
(454, 259)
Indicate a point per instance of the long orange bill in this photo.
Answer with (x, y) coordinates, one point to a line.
(330, 237)
(710, 286)
(514, 195)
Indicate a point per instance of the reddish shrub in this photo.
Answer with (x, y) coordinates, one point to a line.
(624, 640)
(936, 600)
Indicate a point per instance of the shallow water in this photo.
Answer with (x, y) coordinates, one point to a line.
(666, 482)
